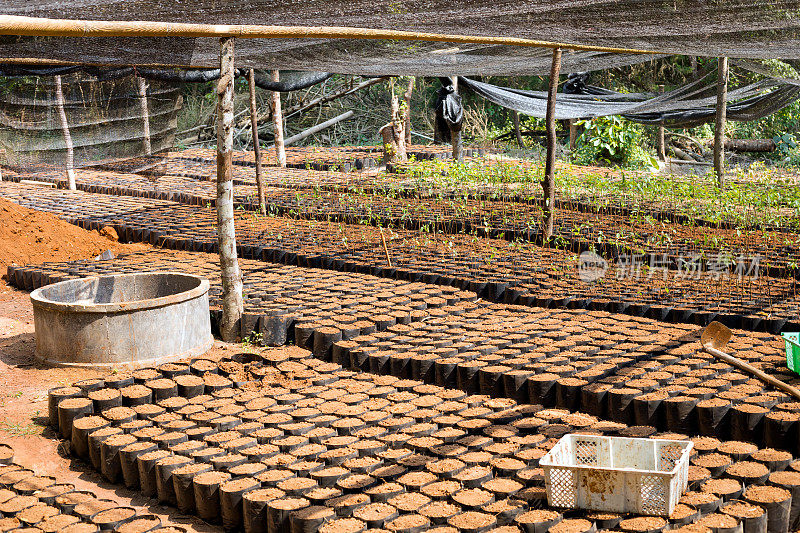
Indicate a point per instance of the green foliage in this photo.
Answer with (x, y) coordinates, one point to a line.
(612, 141)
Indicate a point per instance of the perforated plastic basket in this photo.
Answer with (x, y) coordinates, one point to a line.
(616, 474)
(792, 341)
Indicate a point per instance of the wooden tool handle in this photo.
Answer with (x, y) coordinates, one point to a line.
(741, 365)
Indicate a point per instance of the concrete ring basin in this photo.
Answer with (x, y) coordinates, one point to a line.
(124, 320)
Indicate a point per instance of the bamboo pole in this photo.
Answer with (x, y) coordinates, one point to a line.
(719, 127)
(319, 127)
(262, 201)
(277, 117)
(548, 183)
(70, 159)
(232, 306)
(148, 146)
(45, 27)
(330, 97)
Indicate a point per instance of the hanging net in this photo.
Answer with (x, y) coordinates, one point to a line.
(74, 120)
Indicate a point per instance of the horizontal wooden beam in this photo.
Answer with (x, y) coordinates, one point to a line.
(44, 27)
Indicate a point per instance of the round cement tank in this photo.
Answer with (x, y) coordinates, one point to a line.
(122, 320)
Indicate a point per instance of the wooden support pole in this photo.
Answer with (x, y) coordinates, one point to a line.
(277, 117)
(517, 131)
(407, 96)
(70, 159)
(319, 127)
(661, 146)
(719, 128)
(232, 306)
(455, 136)
(262, 202)
(148, 146)
(548, 183)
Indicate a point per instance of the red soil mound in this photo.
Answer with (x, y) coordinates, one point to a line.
(29, 237)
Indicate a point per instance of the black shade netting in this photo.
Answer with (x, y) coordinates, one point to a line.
(121, 121)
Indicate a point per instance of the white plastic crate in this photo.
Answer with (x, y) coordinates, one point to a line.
(616, 474)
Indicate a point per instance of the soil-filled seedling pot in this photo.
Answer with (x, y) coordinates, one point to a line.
(254, 508)
(53, 524)
(95, 439)
(50, 494)
(35, 514)
(777, 502)
(279, 512)
(87, 509)
(70, 409)
(376, 514)
(118, 381)
(574, 525)
(206, 494)
(679, 414)
(67, 502)
(472, 522)
(189, 385)
(789, 480)
(165, 487)
(605, 520)
(748, 472)
(128, 461)
(310, 519)
(781, 429)
(716, 463)
(142, 523)
(739, 451)
(231, 493)
(439, 512)
(344, 525)
(6, 454)
(408, 523)
(753, 517)
(80, 434)
(775, 460)
(643, 524)
(594, 398)
(182, 479)
(347, 503)
(103, 399)
(135, 395)
(111, 466)
(725, 488)
(111, 519)
(54, 397)
(146, 464)
(721, 523)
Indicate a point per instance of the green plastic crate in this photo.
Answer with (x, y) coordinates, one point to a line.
(792, 340)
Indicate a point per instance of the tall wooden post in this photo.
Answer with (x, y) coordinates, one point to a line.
(262, 202)
(70, 159)
(142, 84)
(661, 146)
(719, 128)
(277, 117)
(407, 97)
(455, 136)
(548, 183)
(232, 306)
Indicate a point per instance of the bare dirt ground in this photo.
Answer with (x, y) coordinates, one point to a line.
(23, 412)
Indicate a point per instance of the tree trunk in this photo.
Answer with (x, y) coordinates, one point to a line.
(407, 97)
(517, 132)
(548, 184)
(277, 117)
(262, 202)
(394, 137)
(719, 128)
(455, 136)
(70, 159)
(148, 146)
(232, 306)
(573, 134)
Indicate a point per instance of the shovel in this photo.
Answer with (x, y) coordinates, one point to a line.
(714, 339)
